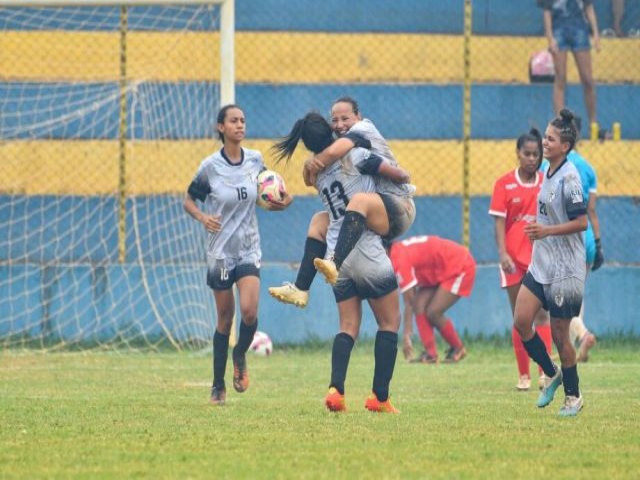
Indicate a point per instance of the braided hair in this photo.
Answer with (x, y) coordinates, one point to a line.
(566, 125)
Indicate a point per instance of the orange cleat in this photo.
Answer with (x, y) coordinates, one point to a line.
(374, 405)
(240, 374)
(334, 401)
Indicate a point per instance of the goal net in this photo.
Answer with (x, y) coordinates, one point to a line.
(106, 110)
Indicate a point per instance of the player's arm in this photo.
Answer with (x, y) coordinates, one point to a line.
(407, 322)
(595, 224)
(336, 151)
(593, 22)
(506, 263)
(198, 190)
(375, 165)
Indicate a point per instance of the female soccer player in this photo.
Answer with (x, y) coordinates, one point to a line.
(399, 209)
(555, 278)
(226, 182)
(366, 275)
(514, 205)
(433, 274)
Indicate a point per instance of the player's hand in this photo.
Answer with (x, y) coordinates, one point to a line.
(314, 165)
(308, 176)
(407, 348)
(507, 264)
(276, 206)
(535, 231)
(599, 258)
(212, 223)
(596, 42)
(553, 46)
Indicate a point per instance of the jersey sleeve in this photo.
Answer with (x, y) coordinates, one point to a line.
(403, 269)
(573, 197)
(498, 207)
(358, 139)
(369, 164)
(200, 187)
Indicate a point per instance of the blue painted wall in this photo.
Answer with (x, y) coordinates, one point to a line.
(98, 304)
(91, 110)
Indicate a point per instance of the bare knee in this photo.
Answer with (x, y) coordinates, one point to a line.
(435, 317)
(318, 226)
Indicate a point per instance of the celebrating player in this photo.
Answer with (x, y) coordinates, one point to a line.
(514, 205)
(394, 195)
(433, 273)
(226, 183)
(366, 274)
(555, 278)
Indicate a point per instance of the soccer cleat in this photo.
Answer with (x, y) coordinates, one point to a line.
(240, 374)
(334, 401)
(454, 355)
(328, 269)
(424, 357)
(289, 293)
(218, 396)
(572, 405)
(524, 383)
(551, 384)
(588, 341)
(374, 405)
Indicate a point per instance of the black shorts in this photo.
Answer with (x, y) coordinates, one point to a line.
(220, 278)
(562, 299)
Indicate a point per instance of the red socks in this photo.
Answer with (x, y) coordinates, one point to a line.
(425, 330)
(522, 357)
(450, 335)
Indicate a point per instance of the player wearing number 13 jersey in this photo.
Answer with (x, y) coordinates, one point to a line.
(367, 273)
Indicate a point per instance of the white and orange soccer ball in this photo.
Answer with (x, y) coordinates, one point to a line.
(271, 187)
(262, 344)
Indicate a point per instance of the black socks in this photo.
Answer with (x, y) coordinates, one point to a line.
(385, 352)
(538, 352)
(353, 225)
(307, 271)
(340, 354)
(220, 354)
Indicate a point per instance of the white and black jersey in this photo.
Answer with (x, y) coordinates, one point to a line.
(378, 145)
(367, 271)
(230, 190)
(560, 200)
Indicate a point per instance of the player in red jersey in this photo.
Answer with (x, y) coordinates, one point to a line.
(513, 205)
(433, 273)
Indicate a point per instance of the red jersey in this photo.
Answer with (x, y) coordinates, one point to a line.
(427, 260)
(517, 203)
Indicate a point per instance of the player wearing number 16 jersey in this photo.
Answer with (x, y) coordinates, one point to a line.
(226, 182)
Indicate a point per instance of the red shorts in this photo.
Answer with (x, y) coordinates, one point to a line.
(462, 283)
(509, 279)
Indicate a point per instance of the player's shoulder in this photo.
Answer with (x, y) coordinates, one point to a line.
(212, 159)
(364, 126)
(252, 155)
(508, 180)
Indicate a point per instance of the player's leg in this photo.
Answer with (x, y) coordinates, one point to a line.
(421, 298)
(350, 311)
(315, 247)
(531, 297)
(248, 283)
(522, 357)
(570, 290)
(441, 301)
(542, 325)
(560, 80)
(583, 63)
(386, 310)
(225, 308)
(579, 333)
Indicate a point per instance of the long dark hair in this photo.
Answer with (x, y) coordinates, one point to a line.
(566, 125)
(533, 136)
(314, 131)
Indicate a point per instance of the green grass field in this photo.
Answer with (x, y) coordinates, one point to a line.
(113, 415)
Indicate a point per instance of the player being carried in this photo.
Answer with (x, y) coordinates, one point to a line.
(389, 211)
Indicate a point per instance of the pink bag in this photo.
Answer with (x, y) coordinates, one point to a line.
(541, 67)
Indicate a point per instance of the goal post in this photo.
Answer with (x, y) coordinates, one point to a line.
(108, 108)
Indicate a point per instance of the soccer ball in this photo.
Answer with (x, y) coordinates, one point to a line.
(271, 186)
(261, 344)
